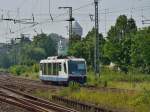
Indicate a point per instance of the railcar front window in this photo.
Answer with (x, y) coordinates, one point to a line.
(77, 67)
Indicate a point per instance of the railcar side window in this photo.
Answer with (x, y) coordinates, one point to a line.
(44, 68)
(41, 67)
(56, 68)
(59, 67)
(65, 70)
(49, 68)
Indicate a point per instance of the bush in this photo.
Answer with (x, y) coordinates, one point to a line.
(143, 98)
(18, 69)
(74, 86)
(110, 78)
(142, 101)
(35, 68)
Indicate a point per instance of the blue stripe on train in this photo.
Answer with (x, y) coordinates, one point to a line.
(53, 78)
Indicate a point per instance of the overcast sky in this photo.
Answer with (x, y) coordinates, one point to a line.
(109, 10)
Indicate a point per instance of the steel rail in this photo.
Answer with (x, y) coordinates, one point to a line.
(20, 103)
(40, 102)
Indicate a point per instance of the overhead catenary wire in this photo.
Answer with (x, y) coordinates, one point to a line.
(50, 11)
(83, 6)
(102, 11)
(111, 11)
(44, 22)
(28, 27)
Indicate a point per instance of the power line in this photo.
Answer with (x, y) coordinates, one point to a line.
(65, 14)
(81, 7)
(31, 26)
(50, 11)
(108, 12)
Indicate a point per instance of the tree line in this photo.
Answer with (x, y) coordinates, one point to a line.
(27, 52)
(125, 45)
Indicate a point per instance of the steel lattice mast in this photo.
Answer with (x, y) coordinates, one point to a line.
(70, 20)
(97, 54)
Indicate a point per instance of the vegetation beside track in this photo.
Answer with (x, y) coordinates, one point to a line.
(109, 78)
(43, 94)
(31, 72)
(138, 101)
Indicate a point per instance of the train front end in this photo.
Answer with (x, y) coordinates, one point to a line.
(77, 70)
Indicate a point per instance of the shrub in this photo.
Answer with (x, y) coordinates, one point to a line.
(18, 69)
(35, 68)
(143, 98)
(74, 86)
(142, 101)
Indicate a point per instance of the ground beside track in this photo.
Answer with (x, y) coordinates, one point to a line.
(24, 85)
(99, 95)
(4, 107)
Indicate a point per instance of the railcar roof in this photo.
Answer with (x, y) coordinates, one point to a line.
(60, 60)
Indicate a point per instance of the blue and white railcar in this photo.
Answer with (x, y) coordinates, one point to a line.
(63, 70)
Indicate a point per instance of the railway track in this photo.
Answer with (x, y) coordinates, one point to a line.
(81, 106)
(9, 80)
(21, 83)
(29, 102)
(85, 107)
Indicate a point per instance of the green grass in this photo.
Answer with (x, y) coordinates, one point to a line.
(131, 86)
(31, 72)
(3, 70)
(133, 102)
(113, 100)
(139, 102)
(111, 75)
(43, 94)
(30, 75)
(110, 78)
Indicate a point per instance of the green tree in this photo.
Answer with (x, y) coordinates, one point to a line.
(47, 43)
(118, 44)
(140, 50)
(85, 48)
(5, 61)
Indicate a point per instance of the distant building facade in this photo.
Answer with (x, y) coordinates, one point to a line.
(77, 29)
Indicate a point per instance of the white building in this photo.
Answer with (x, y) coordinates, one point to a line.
(77, 29)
